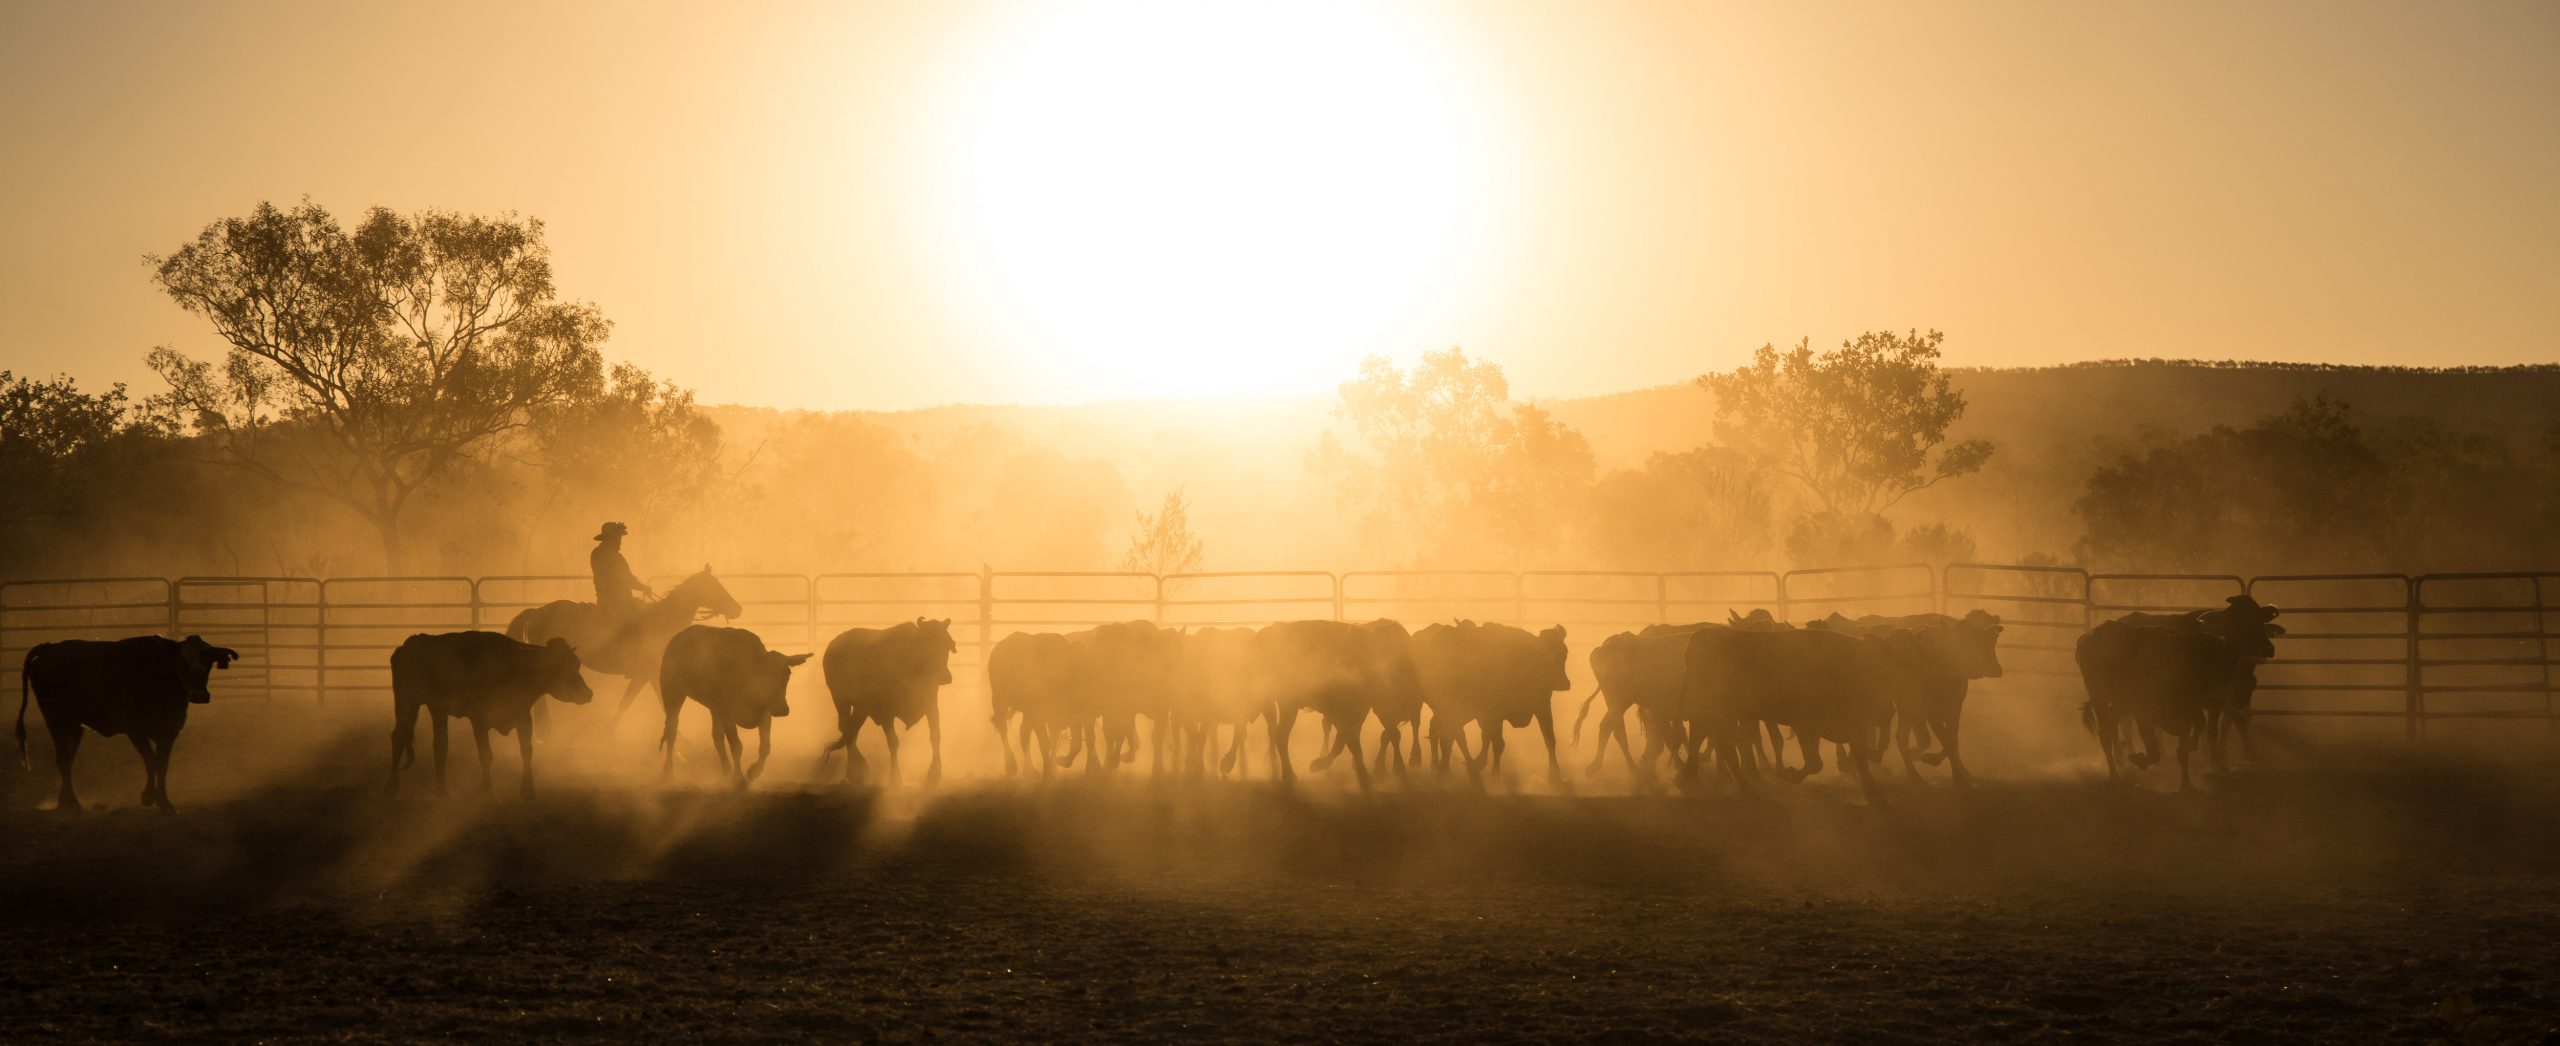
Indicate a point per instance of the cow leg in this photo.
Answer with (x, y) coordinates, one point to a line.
(1946, 731)
(443, 729)
(1547, 729)
(764, 751)
(889, 732)
(933, 735)
(480, 741)
(66, 744)
(1902, 742)
(1808, 746)
(2186, 744)
(1284, 721)
(1777, 747)
(1611, 721)
(1349, 739)
(150, 777)
(1048, 763)
(1858, 757)
(160, 771)
(524, 755)
(856, 768)
(1625, 751)
(2150, 754)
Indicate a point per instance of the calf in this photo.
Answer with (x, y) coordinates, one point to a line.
(729, 672)
(1491, 676)
(484, 677)
(139, 687)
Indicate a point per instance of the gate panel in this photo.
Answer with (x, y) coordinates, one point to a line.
(274, 622)
(41, 611)
(2345, 651)
(363, 619)
(1250, 600)
(2043, 611)
(841, 601)
(1906, 588)
(1428, 597)
(2483, 649)
(1708, 596)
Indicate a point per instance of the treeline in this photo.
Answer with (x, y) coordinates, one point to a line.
(413, 394)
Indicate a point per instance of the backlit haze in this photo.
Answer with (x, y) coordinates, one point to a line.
(889, 205)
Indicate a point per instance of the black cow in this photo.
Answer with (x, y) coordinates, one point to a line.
(139, 687)
(1342, 671)
(1491, 675)
(2183, 674)
(1940, 657)
(484, 677)
(1029, 674)
(1823, 685)
(890, 676)
(741, 683)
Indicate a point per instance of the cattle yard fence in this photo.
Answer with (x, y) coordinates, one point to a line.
(2421, 649)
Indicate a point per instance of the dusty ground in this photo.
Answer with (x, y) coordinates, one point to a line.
(2342, 899)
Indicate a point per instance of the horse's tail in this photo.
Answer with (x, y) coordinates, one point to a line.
(1586, 712)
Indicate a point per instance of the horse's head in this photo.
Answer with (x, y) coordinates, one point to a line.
(704, 595)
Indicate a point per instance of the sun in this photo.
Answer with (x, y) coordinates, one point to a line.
(1163, 199)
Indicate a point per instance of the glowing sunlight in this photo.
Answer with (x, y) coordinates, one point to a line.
(1167, 199)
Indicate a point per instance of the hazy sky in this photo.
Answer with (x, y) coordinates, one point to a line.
(899, 204)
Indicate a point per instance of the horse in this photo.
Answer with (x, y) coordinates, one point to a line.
(631, 648)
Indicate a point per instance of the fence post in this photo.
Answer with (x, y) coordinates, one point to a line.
(1786, 612)
(2414, 717)
(1661, 600)
(1159, 597)
(1337, 594)
(986, 615)
(169, 590)
(320, 647)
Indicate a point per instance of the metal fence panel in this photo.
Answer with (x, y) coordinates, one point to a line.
(2346, 648)
(1426, 597)
(2482, 645)
(2042, 610)
(274, 622)
(43, 610)
(1903, 588)
(363, 619)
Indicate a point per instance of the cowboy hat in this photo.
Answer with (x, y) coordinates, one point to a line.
(612, 530)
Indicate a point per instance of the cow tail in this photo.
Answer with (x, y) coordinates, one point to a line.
(1585, 713)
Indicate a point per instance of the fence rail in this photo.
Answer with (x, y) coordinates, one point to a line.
(2418, 648)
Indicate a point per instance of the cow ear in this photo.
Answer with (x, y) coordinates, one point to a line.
(2274, 631)
(794, 660)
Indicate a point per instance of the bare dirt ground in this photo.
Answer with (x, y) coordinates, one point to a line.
(2345, 898)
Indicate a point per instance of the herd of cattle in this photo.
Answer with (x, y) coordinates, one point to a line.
(1700, 692)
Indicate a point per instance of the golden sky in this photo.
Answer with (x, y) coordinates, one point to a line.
(898, 204)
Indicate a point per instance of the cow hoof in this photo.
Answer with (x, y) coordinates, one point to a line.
(1932, 758)
(1793, 775)
(2142, 762)
(933, 777)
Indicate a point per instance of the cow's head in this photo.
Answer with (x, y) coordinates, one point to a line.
(1975, 642)
(1551, 652)
(2247, 625)
(935, 640)
(769, 677)
(560, 676)
(196, 661)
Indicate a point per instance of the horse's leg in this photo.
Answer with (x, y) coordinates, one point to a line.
(630, 692)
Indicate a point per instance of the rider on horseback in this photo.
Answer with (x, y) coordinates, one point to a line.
(617, 588)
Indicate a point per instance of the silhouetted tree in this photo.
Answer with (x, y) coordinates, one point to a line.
(1163, 543)
(367, 364)
(637, 449)
(59, 454)
(2301, 488)
(1443, 457)
(1701, 509)
(1854, 427)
